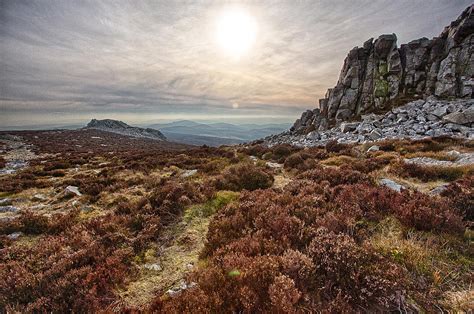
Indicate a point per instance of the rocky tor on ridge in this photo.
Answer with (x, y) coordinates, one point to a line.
(380, 76)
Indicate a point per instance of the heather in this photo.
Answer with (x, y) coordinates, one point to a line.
(248, 228)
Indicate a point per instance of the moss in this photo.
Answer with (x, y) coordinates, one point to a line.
(221, 199)
(381, 88)
(383, 69)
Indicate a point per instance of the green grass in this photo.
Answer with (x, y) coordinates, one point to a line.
(220, 199)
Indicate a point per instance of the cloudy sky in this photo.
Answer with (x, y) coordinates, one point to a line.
(146, 61)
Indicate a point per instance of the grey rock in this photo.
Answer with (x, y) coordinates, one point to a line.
(188, 173)
(39, 198)
(72, 190)
(431, 117)
(348, 127)
(391, 185)
(14, 235)
(372, 76)
(274, 165)
(438, 190)
(373, 148)
(119, 127)
(440, 111)
(314, 135)
(364, 128)
(375, 135)
(8, 208)
(465, 117)
(5, 201)
(154, 267)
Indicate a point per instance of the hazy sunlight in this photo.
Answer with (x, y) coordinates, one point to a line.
(236, 31)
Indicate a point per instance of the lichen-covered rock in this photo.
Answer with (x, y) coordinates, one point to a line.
(379, 73)
(465, 117)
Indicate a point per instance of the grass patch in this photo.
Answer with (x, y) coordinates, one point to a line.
(337, 160)
(430, 173)
(221, 199)
(443, 259)
(434, 155)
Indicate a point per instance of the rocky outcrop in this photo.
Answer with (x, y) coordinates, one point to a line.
(122, 128)
(380, 75)
(417, 119)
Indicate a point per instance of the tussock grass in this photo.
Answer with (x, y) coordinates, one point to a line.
(338, 160)
(430, 173)
(444, 260)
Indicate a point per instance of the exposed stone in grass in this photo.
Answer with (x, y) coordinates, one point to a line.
(391, 185)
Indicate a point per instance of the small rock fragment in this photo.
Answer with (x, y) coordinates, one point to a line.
(373, 148)
(391, 185)
(438, 190)
(72, 190)
(14, 235)
(155, 267)
(8, 208)
(5, 201)
(188, 173)
(38, 198)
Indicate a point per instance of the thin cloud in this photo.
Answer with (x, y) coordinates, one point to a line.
(160, 56)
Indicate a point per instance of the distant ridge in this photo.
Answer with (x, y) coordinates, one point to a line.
(119, 127)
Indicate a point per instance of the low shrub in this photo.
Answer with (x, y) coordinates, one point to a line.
(334, 147)
(244, 176)
(266, 253)
(54, 165)
(215, 166)
(168, 200)
(461, 197)
(21, 181)
(281, 151)
(294, 161)
(77, 275)
(430, 173)
(31, 223)
(342, 175)
(255, 150)
(368, 165)
(423, 212)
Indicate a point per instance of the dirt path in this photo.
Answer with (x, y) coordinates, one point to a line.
(166, 266)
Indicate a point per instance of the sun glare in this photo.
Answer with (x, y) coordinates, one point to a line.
(236, 31)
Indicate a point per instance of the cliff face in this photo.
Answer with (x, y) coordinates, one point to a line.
(380, 74)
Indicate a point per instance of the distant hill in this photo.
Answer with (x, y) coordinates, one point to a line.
(119, 127)
(215, 134)
(199, 140)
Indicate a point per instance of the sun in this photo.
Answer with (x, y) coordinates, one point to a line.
(236, 32)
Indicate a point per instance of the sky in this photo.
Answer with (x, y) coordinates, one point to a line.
(65, 61)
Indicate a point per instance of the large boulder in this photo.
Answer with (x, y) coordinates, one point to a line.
(466, 117)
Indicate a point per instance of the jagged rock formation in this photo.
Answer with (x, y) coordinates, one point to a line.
(122, 128)
(379, 75)
(417, 119)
